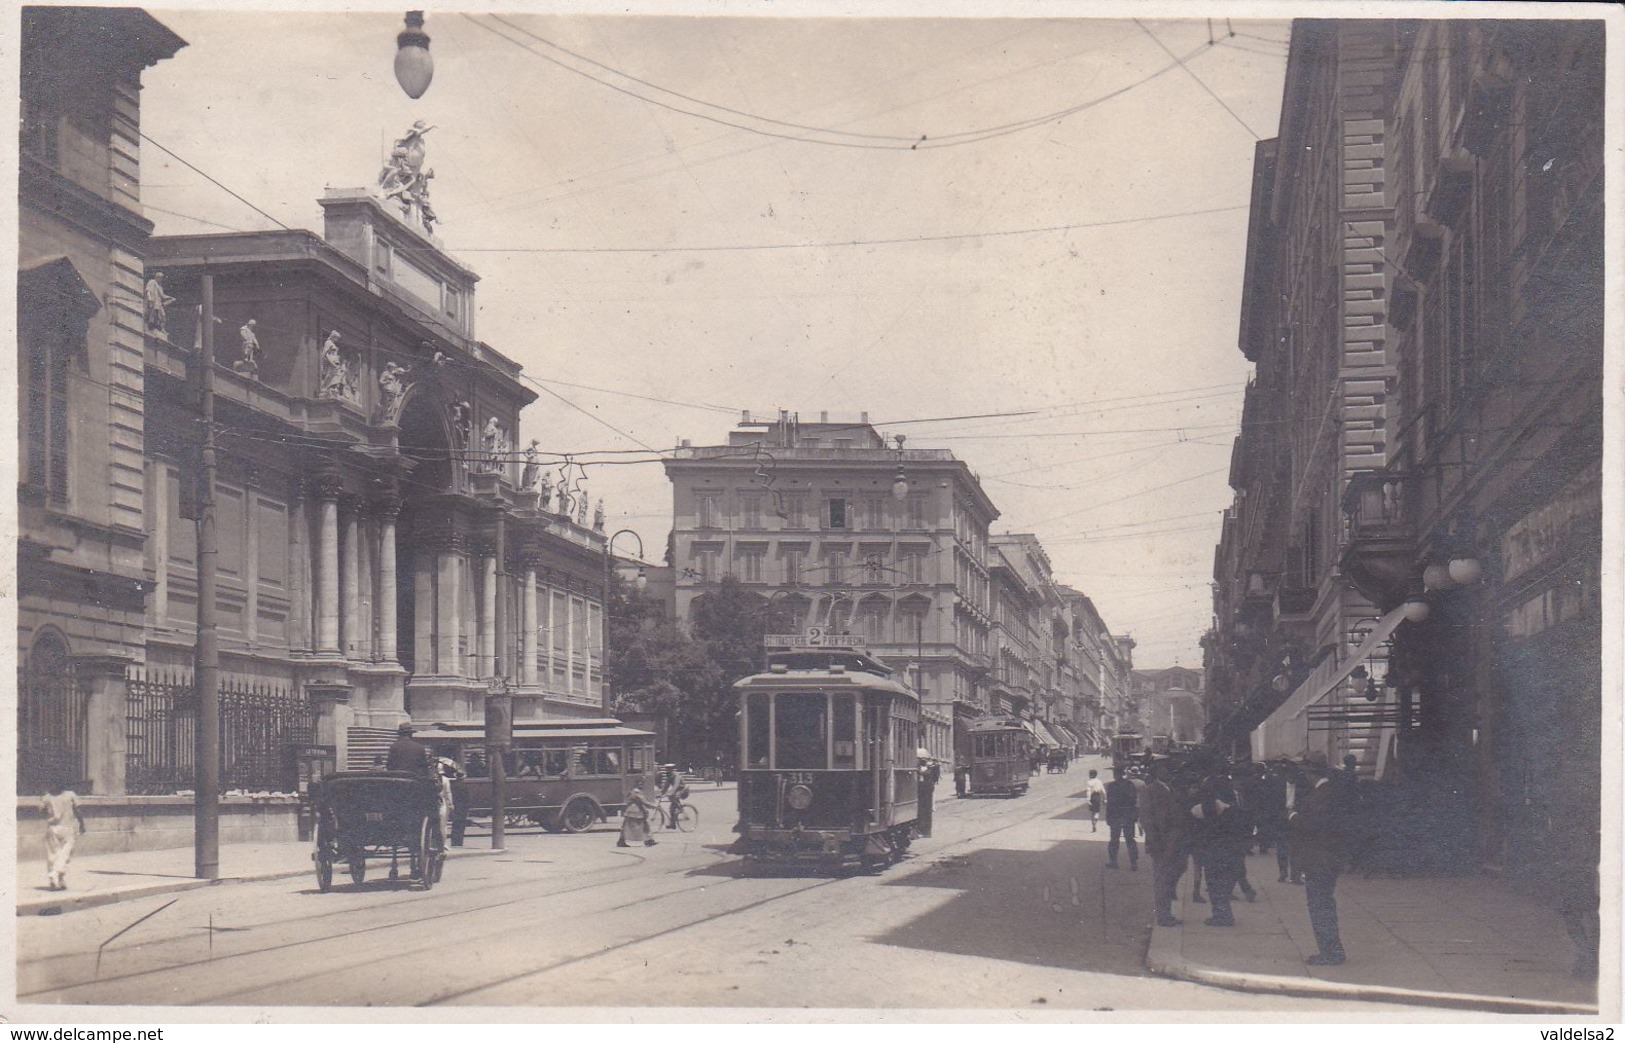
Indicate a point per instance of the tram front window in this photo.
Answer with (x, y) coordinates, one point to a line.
(801, 730)
(757, 732)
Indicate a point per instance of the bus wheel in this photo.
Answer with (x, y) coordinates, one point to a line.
(577, 816)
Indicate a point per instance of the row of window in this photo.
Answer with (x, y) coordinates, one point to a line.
(711, 511)
(834, 566)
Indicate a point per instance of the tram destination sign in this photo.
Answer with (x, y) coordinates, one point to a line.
(814, 637)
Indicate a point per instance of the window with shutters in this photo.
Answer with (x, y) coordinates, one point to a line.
(49, 357)
(708, 510)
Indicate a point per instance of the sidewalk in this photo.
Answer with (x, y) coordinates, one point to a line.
(1465, 942)
(121, 876)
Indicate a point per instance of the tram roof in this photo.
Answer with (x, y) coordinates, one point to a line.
(586, 728)
(834, 675)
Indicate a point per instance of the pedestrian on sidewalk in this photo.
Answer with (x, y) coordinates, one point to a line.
(635, 818)
(1321, 846)
(1270, 816)
(1096, 792)
(1165, 834)
(63, 824)
(1227, 836)
(1122, 814)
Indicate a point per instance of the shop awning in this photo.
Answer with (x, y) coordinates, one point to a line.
(1285, 733)
(1046, 734)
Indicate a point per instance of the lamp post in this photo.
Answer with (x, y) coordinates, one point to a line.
(642, 582)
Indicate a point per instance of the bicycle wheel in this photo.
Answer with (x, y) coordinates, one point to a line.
(687, 818)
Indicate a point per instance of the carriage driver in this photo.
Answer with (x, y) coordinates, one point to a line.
(407, 754)
(671, 788)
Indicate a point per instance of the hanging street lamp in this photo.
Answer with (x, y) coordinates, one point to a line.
(414, 66)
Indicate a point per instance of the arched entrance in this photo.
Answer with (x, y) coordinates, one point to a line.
(426, 446)
(50, 718)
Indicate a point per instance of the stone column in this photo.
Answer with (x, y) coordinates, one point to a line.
(448, 589)
(487, 666)
(327, 566)
(388, 509)
(299, 635)
(350, 578)
(527, 627)
(423, 617)
(569, 636)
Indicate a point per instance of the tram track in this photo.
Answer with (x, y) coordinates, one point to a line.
(530, 896)
(613, 878)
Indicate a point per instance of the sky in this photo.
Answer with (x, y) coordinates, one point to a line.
(679, 218)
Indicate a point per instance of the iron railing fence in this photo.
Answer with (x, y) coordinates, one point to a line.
(261, 727)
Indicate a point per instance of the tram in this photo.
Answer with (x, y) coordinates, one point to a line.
(997, 758)
(828, 759)
(1126, 749)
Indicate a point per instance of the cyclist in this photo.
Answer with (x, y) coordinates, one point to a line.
(672, 789)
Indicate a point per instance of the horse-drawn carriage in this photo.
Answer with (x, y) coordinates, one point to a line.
(378, 814)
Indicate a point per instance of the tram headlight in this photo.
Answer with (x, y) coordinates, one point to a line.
(800, 797)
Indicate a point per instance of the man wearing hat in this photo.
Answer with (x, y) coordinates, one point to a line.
(929, 773)
(406, 753)
(1321, 846)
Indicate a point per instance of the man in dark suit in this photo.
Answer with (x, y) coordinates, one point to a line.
(1321, 843)
(407, 754)
(1122, 814)
(1165, 817)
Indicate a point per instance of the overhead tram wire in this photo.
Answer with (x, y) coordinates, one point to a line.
(179, 159)
(832, 244)
(1200, 82)
(918, 143)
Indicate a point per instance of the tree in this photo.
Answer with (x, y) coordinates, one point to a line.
(686, 675)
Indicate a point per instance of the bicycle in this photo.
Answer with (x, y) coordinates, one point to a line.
(680, 816)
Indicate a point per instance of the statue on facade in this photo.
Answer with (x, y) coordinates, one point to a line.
(392, 388)
(598, 516)
(581, 510)
(403, 178)
(158, 303)
(545, 489)
(533, 467)
(491, 444)
(420, 199)
(462, 423)
(249, 364)
(336, 379)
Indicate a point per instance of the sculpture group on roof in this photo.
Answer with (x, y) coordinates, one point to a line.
(404, 180)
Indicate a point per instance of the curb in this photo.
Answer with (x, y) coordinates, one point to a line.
(1163, 958)
(75, 903)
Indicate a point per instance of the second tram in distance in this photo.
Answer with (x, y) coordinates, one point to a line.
(996, 758)
(828, 761)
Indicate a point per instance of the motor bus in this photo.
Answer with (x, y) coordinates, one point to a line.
(564, 776)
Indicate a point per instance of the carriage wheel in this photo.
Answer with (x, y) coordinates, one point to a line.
(324, 874)
(358, 869)
(687, 818)
(424, 856)
(577, 816)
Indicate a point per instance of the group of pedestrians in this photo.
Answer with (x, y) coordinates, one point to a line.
(1211, 818)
